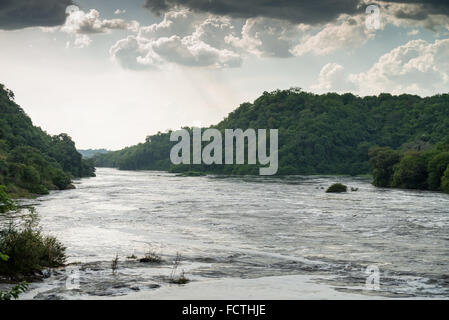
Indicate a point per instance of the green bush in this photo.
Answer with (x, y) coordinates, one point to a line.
(28, 250)
(37, 189)
(383, 161)
(337, 187)
(411, 172)
(60, 179)
(191, 174)
(14, 292)
(436, 167)
(445, 181)
(5, 203)
(31, 175)
(423, 170)
(3, 257)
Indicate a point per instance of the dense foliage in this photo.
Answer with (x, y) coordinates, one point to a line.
(31, 161)
(318, 134)
(24, 250)
(14, 292)
(28, 250)
(411, 169)
(337, 188)
(154, 154)
(6, 203)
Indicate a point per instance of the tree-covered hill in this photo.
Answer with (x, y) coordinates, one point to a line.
(31, 161)
(318, 134)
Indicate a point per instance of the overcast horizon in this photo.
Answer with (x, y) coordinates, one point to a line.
(109, 73)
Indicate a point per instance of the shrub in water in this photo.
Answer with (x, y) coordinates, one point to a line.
(28, 250)
(181, 279)
(337, 187)
(191, 174)
(151, 257)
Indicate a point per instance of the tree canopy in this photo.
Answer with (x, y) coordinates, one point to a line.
(32, 161)
(410, 169)
(318, 134)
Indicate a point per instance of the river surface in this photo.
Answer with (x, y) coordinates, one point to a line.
(237, 228)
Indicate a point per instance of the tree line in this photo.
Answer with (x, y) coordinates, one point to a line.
(318, 134)
(32, 161)
(411, 169)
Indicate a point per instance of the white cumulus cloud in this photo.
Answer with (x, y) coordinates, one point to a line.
(347, 32)
(181, 38)
(81, 24)
(268, 37)
(333, 77)
(89, 22)
(82, 41)
(415, 67)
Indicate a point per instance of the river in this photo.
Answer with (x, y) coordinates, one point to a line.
(245, 237)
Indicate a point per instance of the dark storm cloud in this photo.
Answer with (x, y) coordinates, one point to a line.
(425, 8)
(18, 14)
(298, 11)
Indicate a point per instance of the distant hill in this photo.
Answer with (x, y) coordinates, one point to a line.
(89, 153)
(31, 161)
(318, 134)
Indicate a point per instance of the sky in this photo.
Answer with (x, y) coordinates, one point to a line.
(109, 72)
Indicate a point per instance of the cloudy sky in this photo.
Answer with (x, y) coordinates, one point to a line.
(110, 72)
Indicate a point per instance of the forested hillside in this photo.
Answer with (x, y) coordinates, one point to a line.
(318, 134)
(31, 161)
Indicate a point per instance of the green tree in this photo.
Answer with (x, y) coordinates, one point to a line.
(5, 203)
(445, 180)
(410, 172)
(31, 161)
(383, 161)
(436, 167)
